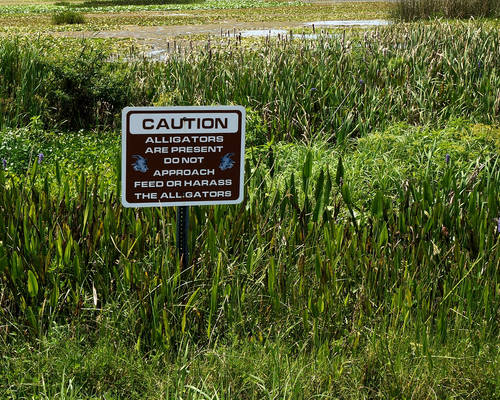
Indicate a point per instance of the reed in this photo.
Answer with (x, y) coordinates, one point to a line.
(373, 249)
(68, 17)
(333, 88)
(411, 10)
(301, 256)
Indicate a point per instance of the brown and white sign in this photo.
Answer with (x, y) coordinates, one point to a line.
(182, 156)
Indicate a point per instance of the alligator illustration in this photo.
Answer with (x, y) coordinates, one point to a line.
(140, 164)
(226, 162)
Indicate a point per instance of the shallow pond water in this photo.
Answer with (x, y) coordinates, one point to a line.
(263, 32)
(335, 23)
(361, 22)
(276, 32)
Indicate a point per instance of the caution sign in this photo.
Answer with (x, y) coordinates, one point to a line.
(182, 156)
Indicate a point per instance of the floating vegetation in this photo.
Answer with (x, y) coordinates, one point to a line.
(205, 5)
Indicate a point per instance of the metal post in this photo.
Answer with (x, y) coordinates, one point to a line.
(182, 235)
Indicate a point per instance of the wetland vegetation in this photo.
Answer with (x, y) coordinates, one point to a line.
(410, 10)
(363, 263)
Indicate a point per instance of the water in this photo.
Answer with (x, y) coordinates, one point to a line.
(163, 54)
(158, 55)
(155, 53)
(362, 22)
(276, 32)
(263, 32)
(281, 32)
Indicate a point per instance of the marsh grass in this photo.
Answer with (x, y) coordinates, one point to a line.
(102, 365)
(111, 3)
(348, 85)
(68, 17)
(305, 256)
(368, 290)
(72, 91)
(363, 262)
(410, 10)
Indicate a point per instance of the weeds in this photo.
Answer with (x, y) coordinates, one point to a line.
(416, 74)
(361, 270)
(103, 365)
(411, 10)
(68, 17)
(81, 91)
(290, 257)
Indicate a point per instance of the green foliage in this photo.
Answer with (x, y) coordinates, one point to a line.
(131, 5)
(68, 17)
(257, 133)
(101, 364)
(381, 254)
(82, 90)
(411, 10)
(86, 91)
(297, 252)
(360, 83)
(75, 151)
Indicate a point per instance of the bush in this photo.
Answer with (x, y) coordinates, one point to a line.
(68, 17)
(410, 10)
(86, 91)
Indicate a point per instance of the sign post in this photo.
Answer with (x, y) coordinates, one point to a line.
(182, 156)
(182, 233)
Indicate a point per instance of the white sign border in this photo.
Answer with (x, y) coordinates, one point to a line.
(125, 112)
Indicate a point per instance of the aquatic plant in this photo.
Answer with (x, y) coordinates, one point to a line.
(67, 17)
(410, 10)
(422, 74)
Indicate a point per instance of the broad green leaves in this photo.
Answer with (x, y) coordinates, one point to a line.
(32, 284)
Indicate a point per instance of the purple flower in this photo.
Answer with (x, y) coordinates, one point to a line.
(361, 82)
(314, 89)
(4, 163)
(480, 67)
(498, 225)
(447, 158)
(40, 158)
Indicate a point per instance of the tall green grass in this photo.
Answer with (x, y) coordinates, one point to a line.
(67, 88)
(410, 10)
(68, 17)
(335, 87)
(358, 271)
(298, 259)
(101, 364)
(307, 256)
